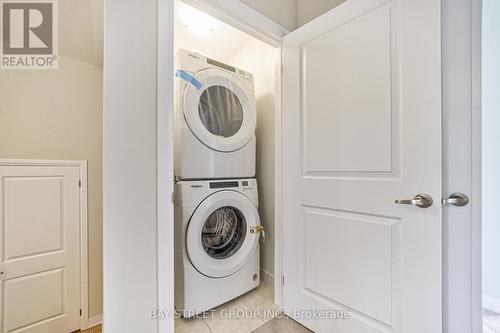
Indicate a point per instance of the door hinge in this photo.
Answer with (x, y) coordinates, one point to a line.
(80, 312)
(283, 280)
(79, 183)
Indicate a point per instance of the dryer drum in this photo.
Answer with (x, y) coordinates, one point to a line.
(220, 111)
(224, 232)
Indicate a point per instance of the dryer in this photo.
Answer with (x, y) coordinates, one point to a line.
(216, 242)
(215, 119)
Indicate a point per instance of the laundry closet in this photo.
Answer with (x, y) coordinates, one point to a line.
(225, 116)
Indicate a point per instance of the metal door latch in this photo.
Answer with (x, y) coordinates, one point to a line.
(420, 200)
(456, 199)
(258, 229)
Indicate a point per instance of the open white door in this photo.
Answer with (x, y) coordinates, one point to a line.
(361, 129)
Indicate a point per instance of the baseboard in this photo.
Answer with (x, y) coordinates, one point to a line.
(491, 303)
(266, 277)
(94, 321)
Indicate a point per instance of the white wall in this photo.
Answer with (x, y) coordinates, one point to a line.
(491, 153)
(130, 166)
(259, 58)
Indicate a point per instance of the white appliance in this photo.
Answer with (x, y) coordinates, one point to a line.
(215, 119)
(216, 242)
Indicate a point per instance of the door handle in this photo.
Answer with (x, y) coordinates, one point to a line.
(456, 199)
(421, 200)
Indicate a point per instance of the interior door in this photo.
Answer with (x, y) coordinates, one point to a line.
(39, 249)
(362, 129)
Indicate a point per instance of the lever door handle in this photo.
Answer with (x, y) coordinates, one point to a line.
(421, 200)
(456, 199)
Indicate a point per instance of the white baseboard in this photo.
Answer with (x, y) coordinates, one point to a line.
(94, 321)
(266, 277)
(491, 303)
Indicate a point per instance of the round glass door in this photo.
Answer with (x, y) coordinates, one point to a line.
(224, 232)
(218, 237)
(222, 113)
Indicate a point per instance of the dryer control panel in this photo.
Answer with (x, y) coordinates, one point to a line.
(241, 72)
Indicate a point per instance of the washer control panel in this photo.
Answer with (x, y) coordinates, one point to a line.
(224, 184)
(191, 193)
(245, 185)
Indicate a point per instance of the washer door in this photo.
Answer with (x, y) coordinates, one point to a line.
(218, 238)
(222, 114)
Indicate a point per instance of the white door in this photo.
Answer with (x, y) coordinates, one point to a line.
(39, 249)
(362, 129)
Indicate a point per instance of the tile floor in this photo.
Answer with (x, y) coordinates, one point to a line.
(258, 301)
(282, 325)
(491, 321)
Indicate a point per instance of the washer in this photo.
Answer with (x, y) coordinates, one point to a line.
(215, 119)
(216, 246)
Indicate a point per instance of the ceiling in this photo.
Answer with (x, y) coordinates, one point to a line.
(81, 32)
(220, 43)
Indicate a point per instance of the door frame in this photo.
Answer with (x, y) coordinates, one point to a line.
(248, 20)
(83, 225)
(476, 119)
(461, 47)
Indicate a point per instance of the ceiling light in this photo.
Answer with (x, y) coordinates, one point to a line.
(196, 21)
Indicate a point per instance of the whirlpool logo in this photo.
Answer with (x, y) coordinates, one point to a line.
(29, 34)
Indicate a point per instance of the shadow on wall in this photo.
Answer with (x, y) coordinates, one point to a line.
(265, 177)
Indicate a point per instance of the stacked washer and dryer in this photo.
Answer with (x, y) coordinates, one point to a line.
(217, 225)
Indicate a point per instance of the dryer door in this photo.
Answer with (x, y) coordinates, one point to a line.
(222, 113)
(218, 238)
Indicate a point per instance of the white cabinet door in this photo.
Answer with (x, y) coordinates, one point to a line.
(361, 129)
(39, 249)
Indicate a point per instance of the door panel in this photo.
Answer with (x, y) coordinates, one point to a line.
(359, 87)
(366, 286)
(47, 286)
(29, 199)
(39, 249)
(362, 128)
